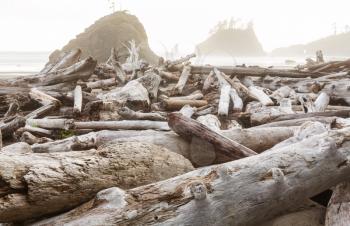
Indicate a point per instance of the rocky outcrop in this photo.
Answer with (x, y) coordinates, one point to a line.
(334, 45)
(232, 42)
(114, 30)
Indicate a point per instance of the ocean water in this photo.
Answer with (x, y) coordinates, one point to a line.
(22, 63)
(26, 63)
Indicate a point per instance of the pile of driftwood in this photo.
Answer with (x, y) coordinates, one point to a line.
(175, 144)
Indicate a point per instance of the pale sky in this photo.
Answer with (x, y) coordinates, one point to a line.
(45, 25)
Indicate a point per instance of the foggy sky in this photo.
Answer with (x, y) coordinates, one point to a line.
(45, 25)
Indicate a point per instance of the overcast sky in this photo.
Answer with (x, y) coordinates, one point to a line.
(45, 25)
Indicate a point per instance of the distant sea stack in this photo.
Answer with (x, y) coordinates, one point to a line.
(114, 30)
(226, 40)
(334, 45)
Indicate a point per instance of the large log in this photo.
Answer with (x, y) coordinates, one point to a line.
(243, 192)
(258, 139)
(191, 129)
(65, 61)
(33, 185)
(253, 71)
(123, 125)
(81, 70)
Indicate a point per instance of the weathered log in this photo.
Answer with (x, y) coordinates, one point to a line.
(338, 88)
(14, 149)
(208, 82)
(173, 63)
(120, 73)
(9, 128)
(260, 95)
(67, 60)
(283, 117)
(338, 207)
(253, 71)
(171, 77)
(43, 98)
(123, 125)
(151, 82)
(34, 185)
(51, 123)
(322, 102)
(312, 216)
(244, 192)
(258, 139)
(211, 121)
(102, 83)
(190, 129)
(129, 114)
(281, 93)
(224, 102)
(42, 111)
(196, 95)
(12, 110)
(205, 111)
(186, 72)
(299, 122)
(78, 99)
(34, 130)
(81, 70)
(225, 88)
(29, 138)
(171, 104)
(237, 101)
(188, 111)
(133, 94)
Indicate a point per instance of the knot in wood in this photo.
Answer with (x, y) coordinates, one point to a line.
(276, 174)
(198, 190)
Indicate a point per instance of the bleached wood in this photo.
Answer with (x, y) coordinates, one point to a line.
(338, 209)
(244, 192)
(186, 72)
(47, 123)
(188, 111)
(123, 125)
(78, 99)
(129, 114)
(33, 185)
(260, 95)
(43, 98)
(102, 83)
(211, 121)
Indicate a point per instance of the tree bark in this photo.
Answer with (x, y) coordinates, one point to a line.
(33, 185)
(243, 192)
(338, 210)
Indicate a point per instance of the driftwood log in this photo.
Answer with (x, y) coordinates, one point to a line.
(191, 129)
(33, 185)
(243, 192)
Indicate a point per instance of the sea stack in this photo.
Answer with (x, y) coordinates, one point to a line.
(114, 30)
(226, 40)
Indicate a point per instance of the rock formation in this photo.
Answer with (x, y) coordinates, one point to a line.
(114, 30)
